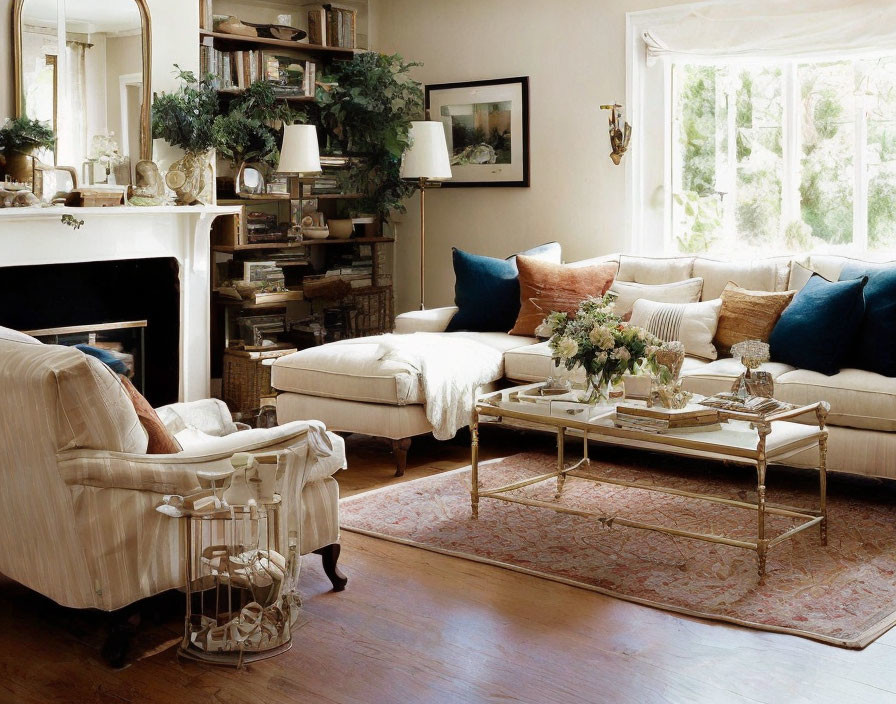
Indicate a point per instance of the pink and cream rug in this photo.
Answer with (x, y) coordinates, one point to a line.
(843, 594)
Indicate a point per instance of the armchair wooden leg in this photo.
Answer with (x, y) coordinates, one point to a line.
(400, 450)
(329, 557)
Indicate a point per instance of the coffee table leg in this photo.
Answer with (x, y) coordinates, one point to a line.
(761, 466)
(561, 460)
(474, 461)
(823, 486)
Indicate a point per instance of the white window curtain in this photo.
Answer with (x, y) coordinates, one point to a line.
(770, 28)
(72, 146)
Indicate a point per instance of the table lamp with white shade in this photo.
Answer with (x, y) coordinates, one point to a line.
(299, 155)
(426, 159)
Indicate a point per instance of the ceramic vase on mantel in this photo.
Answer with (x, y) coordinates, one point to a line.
(190, 179)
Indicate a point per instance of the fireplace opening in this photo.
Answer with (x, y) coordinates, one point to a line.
(98, 294)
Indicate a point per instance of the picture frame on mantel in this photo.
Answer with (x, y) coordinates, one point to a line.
(486, 128)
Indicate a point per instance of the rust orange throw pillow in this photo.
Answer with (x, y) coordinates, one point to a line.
(546, 287)
(161, 441)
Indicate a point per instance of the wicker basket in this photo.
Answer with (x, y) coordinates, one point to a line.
(247, 378)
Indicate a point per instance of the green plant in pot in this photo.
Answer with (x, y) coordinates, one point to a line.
(251, 131)
(185, 119)
(19, 139)
(366, 106)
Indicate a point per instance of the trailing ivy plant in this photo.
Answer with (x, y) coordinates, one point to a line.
(23, 135)
(366, 106)
(186, 117)
(252, 128)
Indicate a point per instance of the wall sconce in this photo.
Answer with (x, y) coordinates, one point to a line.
(620, 132)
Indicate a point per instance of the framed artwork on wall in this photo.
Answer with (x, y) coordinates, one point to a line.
(487, 130)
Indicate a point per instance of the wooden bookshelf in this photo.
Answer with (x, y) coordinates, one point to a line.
(230, 249)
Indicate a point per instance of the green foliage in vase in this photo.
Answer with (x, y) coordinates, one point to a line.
(24, 135)
(366, 106)
(186, 117)
(252, 128)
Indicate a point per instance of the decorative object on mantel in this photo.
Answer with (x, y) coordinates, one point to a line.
(426, 159)
(487, 127)
(606, 348)
(186, 119)
(149, 189)
(20, 138)
(620, 132)
(71, 221)
(104, 157)
(96, 197)
(752, 354)
(21, 198)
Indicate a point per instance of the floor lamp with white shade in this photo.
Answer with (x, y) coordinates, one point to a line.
(426, 159)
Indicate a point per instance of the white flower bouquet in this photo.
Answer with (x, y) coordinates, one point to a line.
(604, 345)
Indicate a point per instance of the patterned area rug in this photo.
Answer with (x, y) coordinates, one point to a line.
(843, 594)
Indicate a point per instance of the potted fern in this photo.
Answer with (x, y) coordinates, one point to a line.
(19, 139)
(185, 119)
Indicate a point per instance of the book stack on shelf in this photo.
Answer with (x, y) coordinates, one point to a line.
(234, 71)
(691, 418)
(357, 269)
(262, 227)
(325, 185)
(332, 25)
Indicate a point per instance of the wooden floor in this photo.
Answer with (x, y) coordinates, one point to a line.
(414, 626)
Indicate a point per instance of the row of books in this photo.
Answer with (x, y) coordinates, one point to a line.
(333, 25)
(356, 269)
(236, 70)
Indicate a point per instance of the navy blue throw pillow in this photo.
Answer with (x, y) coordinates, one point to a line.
(487, 290)
(817, 329)
(106, 357)
(875, 345)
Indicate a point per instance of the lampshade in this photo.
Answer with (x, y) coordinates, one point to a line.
(300, 154)
(427, 157)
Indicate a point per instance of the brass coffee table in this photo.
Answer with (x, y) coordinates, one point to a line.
(744, 439)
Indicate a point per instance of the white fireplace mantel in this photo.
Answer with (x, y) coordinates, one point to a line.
(35, 236)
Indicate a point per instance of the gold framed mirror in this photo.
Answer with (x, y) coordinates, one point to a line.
(85, 67)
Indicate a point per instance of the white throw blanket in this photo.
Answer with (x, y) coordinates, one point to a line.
(450, 369)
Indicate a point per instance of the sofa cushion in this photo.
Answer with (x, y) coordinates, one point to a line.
(858, 399)
(546, 287)
(627, 292)
(756, 274)
(11, 335)
(351, 370)
(692, 324)
(714, 377)
(160, 440)
(748, 315)
(817, 329)
(655, 270)
(487, 290)
(875, 346)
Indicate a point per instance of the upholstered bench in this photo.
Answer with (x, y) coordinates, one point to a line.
(352, 389)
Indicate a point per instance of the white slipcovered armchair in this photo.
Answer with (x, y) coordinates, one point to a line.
(77, 518)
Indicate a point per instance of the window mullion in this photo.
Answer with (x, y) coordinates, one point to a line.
(792, 138)
(860, 187)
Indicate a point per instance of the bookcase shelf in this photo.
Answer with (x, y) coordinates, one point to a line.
(231, 40)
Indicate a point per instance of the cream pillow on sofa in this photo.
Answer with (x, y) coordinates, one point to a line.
(627, 292)
(693, 324)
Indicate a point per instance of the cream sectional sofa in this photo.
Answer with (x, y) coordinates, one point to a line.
(347, 387)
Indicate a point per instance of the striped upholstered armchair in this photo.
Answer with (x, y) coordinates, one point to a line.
(77, 518)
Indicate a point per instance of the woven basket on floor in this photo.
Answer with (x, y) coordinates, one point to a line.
(246, 378)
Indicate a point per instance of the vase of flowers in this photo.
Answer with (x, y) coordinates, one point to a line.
(604, 345)
(20, 138)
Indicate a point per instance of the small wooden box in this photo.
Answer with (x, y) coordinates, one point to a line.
(94, 198)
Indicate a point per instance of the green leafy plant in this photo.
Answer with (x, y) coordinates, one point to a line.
(251, 129)
(186, 117)
(700, 218)
(366, 106)
(24, 135)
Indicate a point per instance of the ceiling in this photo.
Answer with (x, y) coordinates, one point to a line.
(85, 16)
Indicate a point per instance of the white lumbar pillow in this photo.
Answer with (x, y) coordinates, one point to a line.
(692, 324)
(627, 292)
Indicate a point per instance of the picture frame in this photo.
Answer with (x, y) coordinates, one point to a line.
(486, 129)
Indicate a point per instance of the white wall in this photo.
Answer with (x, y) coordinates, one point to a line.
(574, 54)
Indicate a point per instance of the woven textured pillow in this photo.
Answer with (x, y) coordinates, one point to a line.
(692, 324)
(748, 315)
(546, 288)
(161, 441)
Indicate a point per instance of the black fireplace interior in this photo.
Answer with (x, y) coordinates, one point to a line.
(56, 295)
